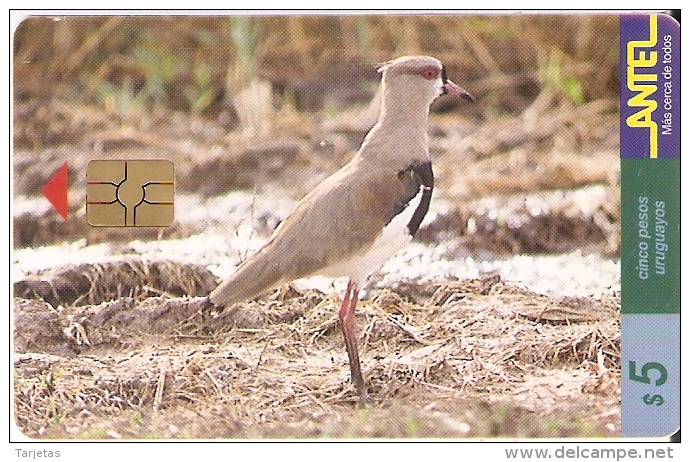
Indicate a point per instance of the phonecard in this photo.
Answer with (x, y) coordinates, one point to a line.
(344, 226)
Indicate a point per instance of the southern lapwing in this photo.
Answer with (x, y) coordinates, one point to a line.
(356, 219)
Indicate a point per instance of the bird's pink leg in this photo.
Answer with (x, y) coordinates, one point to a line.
(347, 323)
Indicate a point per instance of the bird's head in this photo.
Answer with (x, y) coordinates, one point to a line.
(419, 76)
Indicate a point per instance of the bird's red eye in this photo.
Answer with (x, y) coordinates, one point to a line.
(430, 74)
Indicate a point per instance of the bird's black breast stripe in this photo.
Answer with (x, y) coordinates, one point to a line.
(415, 177)
(444, 79)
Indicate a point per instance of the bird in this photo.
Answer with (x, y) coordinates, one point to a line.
(360, 216)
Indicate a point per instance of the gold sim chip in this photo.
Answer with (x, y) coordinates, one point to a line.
(130, 192)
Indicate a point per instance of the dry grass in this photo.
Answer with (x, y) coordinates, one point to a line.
(99, 282)
(202, 59)
(476, 359)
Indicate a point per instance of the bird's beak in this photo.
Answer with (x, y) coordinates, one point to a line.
(450, 88)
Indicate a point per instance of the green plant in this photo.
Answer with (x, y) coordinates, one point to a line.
(135, 420)
(246, 34)
(156, 65)
(412, 426)
(200, 92)
(94, 434)
(552, 76)
(361, 418)
(159, 65)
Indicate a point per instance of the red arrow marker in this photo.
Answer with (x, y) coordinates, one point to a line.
(55, 191)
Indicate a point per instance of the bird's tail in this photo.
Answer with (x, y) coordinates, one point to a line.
(252, 277)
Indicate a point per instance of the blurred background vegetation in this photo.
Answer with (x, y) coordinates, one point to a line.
(316, 63)
(243, 101)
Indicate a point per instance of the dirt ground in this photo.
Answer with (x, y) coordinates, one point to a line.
(475, 358)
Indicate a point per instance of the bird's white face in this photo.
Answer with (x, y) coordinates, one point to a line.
(423, 83)
(433, 74)
(420, 78)
(438, 84)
